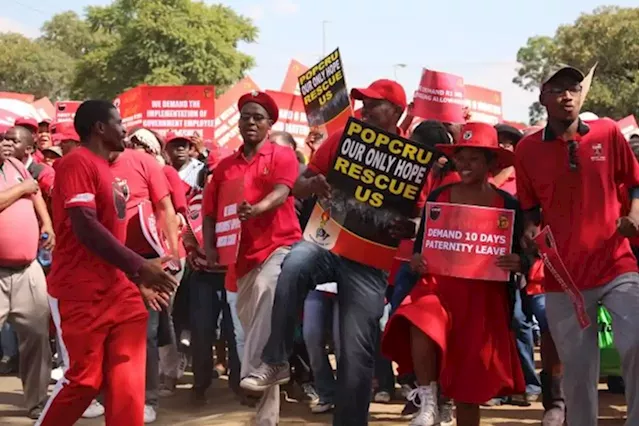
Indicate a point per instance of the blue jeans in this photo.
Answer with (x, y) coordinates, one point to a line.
(524, 344)
(232, 300)
(361, 300)
(383, 368)
(404, 282)
(537, 309)
(321, 314)
(9, 341)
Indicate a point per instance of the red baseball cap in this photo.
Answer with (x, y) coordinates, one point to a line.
(388, 90)
(172, 136)
(28, 122)
(262, 99)
(68, 135)
(480, 135)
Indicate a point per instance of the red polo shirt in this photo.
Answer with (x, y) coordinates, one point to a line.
(582, 206)
(84, 179)
(261, 235)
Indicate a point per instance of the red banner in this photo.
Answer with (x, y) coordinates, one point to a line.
(66, 111)
(194, 219)
(485, 105)
(628, 126)
(290, 83)
(227, 114)
(440, 96)
(184, 110)
(464, 241)
(230, 195)
(556, 267)
(292, 118)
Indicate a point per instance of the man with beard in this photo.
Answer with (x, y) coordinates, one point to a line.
(269, 229)
(23, 150)
(361, 288)
(99, 314)
(568, 178)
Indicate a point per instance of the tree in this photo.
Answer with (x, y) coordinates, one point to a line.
(160, 42)
(32, 66)
(608, 36)
(67, 32)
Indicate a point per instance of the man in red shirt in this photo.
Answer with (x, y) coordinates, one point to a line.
(24, 147)
(361, 288)
(568, 179)
(269, 229)
(98, 312)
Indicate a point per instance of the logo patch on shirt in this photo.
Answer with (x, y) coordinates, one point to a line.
(597, 152)
(265, 171)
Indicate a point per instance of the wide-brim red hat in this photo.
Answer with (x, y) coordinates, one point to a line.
(482, 136)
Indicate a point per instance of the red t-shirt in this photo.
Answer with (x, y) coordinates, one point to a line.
(84, 179)
(261, 235)
(581, 207)
(38, 156)
(177, 188)
(144, 180)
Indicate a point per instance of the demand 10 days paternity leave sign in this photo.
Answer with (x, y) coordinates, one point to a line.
(465, 241)
(375, 178)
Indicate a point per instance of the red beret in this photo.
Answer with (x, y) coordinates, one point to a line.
(262, 99)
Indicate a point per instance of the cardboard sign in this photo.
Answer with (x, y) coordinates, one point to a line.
(376, 178)
(292, 116)
(227, 133)
(556, 267)
(440, 96)
(153, 235)
(464, 241)
(628, 126)
(290, 83)
(485, 105)
(230, 195)
(184, 110)
(66, 111)
(325, 96)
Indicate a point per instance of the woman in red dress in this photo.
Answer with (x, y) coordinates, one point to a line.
(457, 331)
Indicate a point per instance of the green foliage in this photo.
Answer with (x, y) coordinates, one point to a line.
(608, 36)
(128, 43)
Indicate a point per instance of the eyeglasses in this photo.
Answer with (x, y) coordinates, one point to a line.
(573, 155)
(557, 91)
(256, 117)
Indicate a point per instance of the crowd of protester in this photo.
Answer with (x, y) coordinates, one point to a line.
(274, 317)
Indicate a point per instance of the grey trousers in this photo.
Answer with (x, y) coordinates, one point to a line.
(579, 352)
(24, 304)
(256, 291)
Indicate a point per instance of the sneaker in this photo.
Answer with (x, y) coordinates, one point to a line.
(266, 376)
(428, 414)
(57, 374)
(382, 397)
(310, 394)
(322, 407)
(405, 390)
(493, 402)
(446, 413)
(149, 414)
(36, 412)
(8, 365)
(185, 338)
(95, 409)
(168, 387)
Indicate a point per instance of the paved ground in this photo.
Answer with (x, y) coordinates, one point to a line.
(224, 410)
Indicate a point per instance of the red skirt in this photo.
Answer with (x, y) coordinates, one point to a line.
(470, 321)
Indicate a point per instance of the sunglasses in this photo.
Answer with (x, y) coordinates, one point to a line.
(573, 155)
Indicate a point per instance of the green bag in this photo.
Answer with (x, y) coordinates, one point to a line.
(609, 357)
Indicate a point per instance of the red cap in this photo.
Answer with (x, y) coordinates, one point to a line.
(262, 99)
(388, 90)
(67, 135)
(61, 127)
(30, 123)
(172, 136)
(480, 135)
(45, 121)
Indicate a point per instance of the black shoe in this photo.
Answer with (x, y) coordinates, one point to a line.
(8, 365)
(199, 397)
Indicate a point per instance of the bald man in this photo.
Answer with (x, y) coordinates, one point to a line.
(23, 149)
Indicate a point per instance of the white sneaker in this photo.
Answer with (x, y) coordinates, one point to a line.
(57, 374)
(95, 409)
(382, 397)
(185, 338)
(428, 414)
(149, 414)
(322, 407)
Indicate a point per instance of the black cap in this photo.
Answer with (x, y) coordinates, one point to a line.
(511, 131)
(571, 72)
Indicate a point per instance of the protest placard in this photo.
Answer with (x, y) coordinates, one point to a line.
(376, 178)
(194, 219)
(628, 126)
(485, 105)
(325, 95)
(154, 236)
(183, 110)
(464, 241)
(66, 111)
(227, 133)
(440, 96)
(290, 83)
(554, 266)
(292, 116)
(230, 195)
